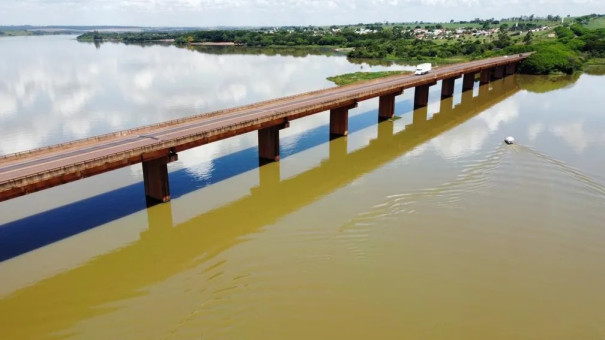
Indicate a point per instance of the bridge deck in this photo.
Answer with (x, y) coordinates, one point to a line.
(45, 167)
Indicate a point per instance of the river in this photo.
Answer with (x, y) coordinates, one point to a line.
(427, 226)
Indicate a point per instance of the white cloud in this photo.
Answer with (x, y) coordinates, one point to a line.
(8, 105)
(144, 79)
(274, 12)
(73, 104)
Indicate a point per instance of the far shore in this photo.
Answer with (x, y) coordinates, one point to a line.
(213, 44)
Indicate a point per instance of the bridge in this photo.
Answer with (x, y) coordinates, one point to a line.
(157, 145)
(187, 242)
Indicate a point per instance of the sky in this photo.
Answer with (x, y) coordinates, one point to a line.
(211, 13)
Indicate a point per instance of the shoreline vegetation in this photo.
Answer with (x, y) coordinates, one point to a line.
(351, 78)
(560, 45)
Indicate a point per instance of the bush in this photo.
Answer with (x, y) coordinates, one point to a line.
(564, 34)
(551, 59)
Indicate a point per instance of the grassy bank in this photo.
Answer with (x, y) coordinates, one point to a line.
(351, 78)
(595, 66)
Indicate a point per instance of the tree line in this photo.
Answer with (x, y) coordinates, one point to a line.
(573, 45)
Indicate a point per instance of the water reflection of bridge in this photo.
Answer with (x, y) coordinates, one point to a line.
(166, 249)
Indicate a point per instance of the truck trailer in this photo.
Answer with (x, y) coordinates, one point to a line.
(423, 68)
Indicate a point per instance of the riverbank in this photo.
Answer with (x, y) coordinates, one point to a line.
(351, 78)
(559, 48)
(595, 66)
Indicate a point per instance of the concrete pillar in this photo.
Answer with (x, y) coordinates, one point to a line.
(339, 121)
(511, 68)
(421, 95)
(447, 87)
(155, 176)
(268, 144)
(468, 82)
(386, 105)
(484, 77)
(498, 72)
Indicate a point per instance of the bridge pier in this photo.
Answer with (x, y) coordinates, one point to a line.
(511, 68)
(386, 105)
(468, 82)
(447, 87)
(484, 77)
(339, 121)
(498, 72)
(268, 143)
(421, 95)
(155, 177)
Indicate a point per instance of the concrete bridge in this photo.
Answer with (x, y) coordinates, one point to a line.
(186, 241)
(157, 145)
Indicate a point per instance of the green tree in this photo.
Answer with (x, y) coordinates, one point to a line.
(503, 40)
(564, 34)
(528, 38)
(551, 58)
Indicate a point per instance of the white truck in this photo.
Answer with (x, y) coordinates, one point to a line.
(423, 68)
